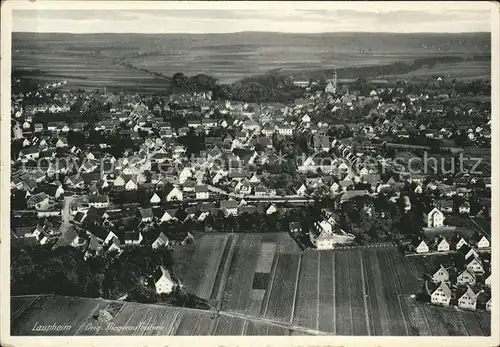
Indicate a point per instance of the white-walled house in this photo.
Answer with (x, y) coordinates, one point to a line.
(443, 246)
(161, 241)
(271, 209)
(464, 208)
(422, 247)
(168, 215)
(483, 243)
(164, 282)
(442, 295)
(99, 201)
(466, 277)
(184, 175)
(487, 281)
(131, 184)
(468, 300)
(461, 243)
(202, 192)
(155, 199)
(441, 275)
(475, 266)
(175, 195)
(435, 218)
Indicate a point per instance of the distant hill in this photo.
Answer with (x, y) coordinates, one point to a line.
(87, 59)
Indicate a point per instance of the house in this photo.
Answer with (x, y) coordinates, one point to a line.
(272, 209)
(302, 190)
(30, 153)
(487, 281)
(442, 295)
(435, 218)
(475, 266)
(119, 181)
(468, 300)
(323, 237)
(229, 207)
(112, 245)
(285, 130)
(441, 275)
(466, 277)
(160, 241)
(464, 208)
(443, 245)
(483, 243)
(133, 237)
(38, 201)
(322, 241)
(461, 243)
(146, 215)
(422, 247)
(175, 194)
(61, 143)
(131, 184)
(488, 305)
(184, 175)
(468, 252)
(260, 191)
(38, 127)
(168, 215)
(69, 238)
(202, 191)
(164, 283)
(99, 201)
(445, 205)
(55, 190)
(155, 199)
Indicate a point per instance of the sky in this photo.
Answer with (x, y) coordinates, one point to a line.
(278, 19)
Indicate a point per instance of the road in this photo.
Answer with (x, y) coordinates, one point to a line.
(262, 320)
(275, 323)
(66, 216)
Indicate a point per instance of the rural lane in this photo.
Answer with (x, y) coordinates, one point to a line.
(66, 216)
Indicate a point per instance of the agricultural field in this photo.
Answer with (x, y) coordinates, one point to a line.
(198, 267)
(428, 320)
(61, 56)
(460, 71)
(77, 316)
(264, 285)
(363, 291)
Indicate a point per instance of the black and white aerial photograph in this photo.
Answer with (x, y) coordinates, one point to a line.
(209, 169)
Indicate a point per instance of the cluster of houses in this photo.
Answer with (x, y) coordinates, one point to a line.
(466, 283)
(239, 141)
(435, 222)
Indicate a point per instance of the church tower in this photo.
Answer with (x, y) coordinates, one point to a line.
(331, 88)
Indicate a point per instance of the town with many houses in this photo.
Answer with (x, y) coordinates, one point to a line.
(139, 166)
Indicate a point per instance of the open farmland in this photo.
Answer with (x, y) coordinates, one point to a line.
(198, 267)
(86, 61)
(363, 291)
(76, 316)
(460, 71)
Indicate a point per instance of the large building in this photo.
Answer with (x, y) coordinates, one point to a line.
(326, 234)
(331, 87)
